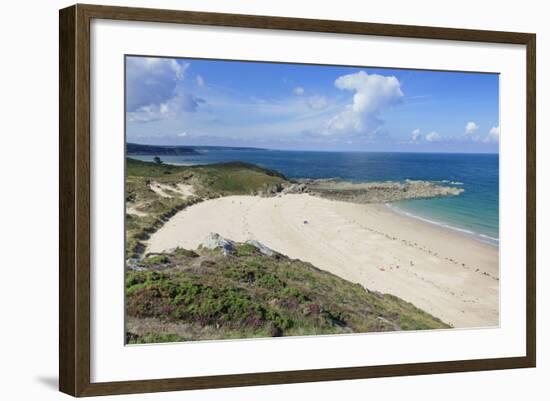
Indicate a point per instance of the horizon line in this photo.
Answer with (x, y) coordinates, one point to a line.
(313, 150)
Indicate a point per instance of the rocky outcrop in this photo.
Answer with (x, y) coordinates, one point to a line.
(372, 192)
(299, 188)
(264, 250)
(365, 192)
(134, 264)
(216, 241)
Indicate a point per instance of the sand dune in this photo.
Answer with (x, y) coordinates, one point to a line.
(445, 273)
(168, 191)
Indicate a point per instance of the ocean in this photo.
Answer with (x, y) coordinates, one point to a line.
(475, 212)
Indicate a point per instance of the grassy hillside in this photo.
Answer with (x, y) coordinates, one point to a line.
(147, 210)
(191, 295)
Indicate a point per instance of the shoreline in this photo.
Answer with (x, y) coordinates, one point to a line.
(446, 273)
(483, 238)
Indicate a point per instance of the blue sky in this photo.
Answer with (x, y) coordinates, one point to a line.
(309, 107)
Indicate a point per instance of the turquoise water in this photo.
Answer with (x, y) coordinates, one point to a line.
(474, 212)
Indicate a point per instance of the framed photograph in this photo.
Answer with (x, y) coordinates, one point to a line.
(250, 200)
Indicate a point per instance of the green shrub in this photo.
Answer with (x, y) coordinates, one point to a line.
(212, 296)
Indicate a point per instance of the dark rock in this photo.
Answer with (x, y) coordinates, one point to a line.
(264, 250)
(276, 332)
(216, 241)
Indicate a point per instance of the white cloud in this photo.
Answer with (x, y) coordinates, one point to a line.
(433, 137)
(200, 80)
(373, 94)
(172, 108)
(471, 128)
(416, 135)
(151, 80)
(317, 102)
(494, 135)
(298, 90)
(154, 89)
(182, 134)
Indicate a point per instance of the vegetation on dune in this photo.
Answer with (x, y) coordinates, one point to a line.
(151, 211)
(237, 178)
(206, 295)
(206, 174)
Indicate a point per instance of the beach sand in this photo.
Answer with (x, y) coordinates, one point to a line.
(445, 273)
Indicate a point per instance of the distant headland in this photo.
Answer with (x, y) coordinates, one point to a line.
(159, 150)
(137, 149)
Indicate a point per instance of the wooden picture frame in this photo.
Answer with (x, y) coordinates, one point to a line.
(74, 199)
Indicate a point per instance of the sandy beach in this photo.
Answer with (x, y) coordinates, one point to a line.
(450, 275)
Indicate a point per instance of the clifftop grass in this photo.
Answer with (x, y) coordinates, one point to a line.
(186, 295)
(233, 178)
